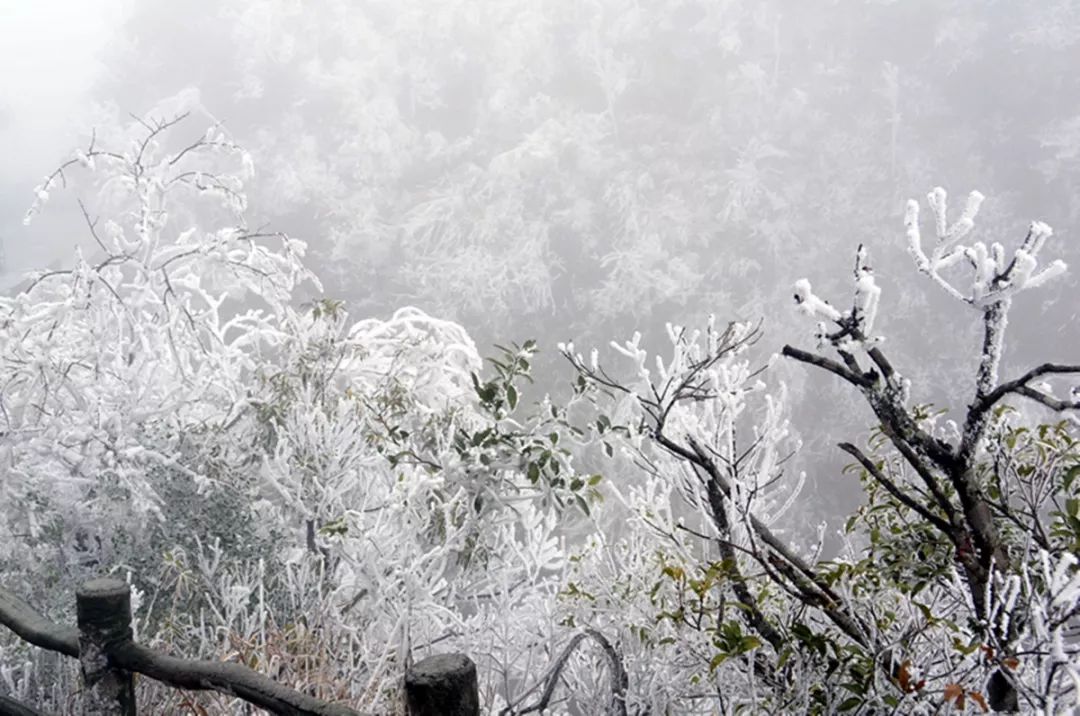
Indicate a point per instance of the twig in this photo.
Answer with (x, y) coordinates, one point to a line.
(895, 491)
(620, 681)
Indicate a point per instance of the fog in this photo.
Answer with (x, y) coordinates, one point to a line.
(579, 169)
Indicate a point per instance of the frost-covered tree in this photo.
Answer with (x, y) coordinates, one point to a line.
(959, 583)
(113, 367)
(327, 499)
(997, 529)
(609, 165)
(120, 373)
(321, 498)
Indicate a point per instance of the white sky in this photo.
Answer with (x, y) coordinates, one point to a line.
(48, 62)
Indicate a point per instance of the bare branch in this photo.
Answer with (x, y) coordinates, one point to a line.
(894, 490)
(931, 482)
(619, 679)
(1014, 386)
(153, 131)
(1047, 400)
(92, 225)
(754, 617)
(801, 573)
(881, 361)
(832, 366)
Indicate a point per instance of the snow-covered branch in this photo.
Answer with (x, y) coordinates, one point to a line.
(993, 277)
(958, 504)
(695, 407)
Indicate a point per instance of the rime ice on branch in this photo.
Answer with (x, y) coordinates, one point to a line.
(954, 497)
(993, 278)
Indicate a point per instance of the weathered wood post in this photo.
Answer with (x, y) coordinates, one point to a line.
(104, 613)
(443, 685)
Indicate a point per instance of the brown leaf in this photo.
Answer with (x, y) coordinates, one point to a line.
(978, 698)
(954, 692)
(903, 676)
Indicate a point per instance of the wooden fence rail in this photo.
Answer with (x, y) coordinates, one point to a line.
(11, 707)
(108, 657)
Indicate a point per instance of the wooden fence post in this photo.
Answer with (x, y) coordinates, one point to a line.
(104, 613)
(443, 685)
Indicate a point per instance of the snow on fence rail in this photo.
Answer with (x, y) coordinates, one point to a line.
(108, 657)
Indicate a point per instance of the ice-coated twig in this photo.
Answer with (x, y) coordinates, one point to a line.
(992, 279)
(811, 305)
(867, 294)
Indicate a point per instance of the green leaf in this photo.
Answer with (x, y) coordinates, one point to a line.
(785, 655)
(337, 527)
(511, 396)
(580, 385)
(1070, 477)
(748, 643)
(582, 504)
(850, 704)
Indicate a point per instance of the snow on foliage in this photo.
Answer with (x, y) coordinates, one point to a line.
(109, 364)
(713, 444)
(332, 499)
(168, 412)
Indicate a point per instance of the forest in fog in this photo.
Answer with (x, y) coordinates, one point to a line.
(738, 336)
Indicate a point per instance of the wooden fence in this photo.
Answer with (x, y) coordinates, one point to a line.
(443, 685)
